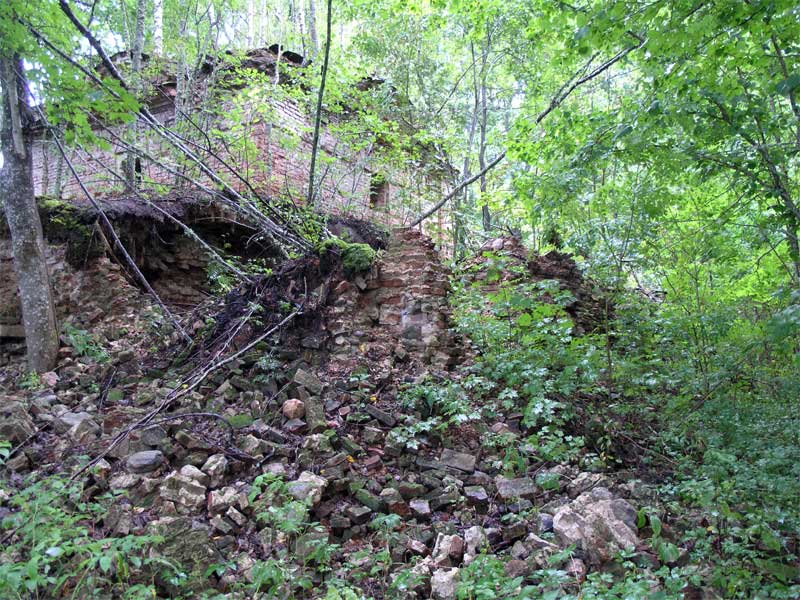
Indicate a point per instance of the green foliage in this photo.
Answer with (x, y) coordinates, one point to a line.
(52, 548)
(356, 258)
(84, 343)
(282, 572)
(5, 451)
(221, 279)
(440, 405)
(530, 360)
(275, 507)
(485, 579)
(31, 381)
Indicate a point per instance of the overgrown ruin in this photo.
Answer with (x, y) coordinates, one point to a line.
(460, 301)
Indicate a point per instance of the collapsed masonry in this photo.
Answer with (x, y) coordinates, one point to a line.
(302, 416)
(395, 311)
(88, 283)
(398, 312)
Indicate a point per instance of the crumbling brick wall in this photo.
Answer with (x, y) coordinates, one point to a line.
(273, 155)
(398, 313)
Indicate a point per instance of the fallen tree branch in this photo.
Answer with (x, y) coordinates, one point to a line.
(191, 415)
(181, 390)
(117, 242)
(186, 229)
(283, 230)
(561, 95)
(457, 190)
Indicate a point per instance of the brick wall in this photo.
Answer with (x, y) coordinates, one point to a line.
(270, 147)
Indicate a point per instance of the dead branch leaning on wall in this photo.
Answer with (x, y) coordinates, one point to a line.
(118, 243)
(186, 229)
(282, 229)
(271, 229)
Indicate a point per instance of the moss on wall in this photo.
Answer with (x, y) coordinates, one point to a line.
(355, 258)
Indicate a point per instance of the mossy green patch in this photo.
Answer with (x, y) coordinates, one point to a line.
(64, 223)
(240, 421)
(356, 258)
(333, 244)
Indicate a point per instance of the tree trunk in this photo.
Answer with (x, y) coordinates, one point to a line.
(312, 29)
(251, 23)
(486, 216)
(16, 181)
(132, 173)
(310, 198)
(158, 27)
(473, 125)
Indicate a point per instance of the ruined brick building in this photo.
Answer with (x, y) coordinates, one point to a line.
(250, 120)
(249, 115)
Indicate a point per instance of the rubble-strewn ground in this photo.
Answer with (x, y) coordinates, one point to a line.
(360, 449)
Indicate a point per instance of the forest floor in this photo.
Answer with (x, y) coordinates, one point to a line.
(495, 460)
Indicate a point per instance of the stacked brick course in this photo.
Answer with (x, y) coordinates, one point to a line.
(399, 312)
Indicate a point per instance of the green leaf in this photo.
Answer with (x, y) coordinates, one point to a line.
(667, 552)
(780, 571)
(641, 518)
(770, 540)
(524, 320)
(548, 481)
(105, 563)
(655, 525)
(788, 85)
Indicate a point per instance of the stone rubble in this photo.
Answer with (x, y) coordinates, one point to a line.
(324, 428)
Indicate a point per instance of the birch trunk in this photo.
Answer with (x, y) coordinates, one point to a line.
(485, 214)
(16, 181)
(131, 174)
(310, 197)
(312, 29)
(158, 27)
(251, 23)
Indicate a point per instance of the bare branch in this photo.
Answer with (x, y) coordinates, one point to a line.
(561, 95)
(117, 242)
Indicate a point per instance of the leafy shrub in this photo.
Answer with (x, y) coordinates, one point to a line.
(53, 549)
(84, 343)
(285, 518)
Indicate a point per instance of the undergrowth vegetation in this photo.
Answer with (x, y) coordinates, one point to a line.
(719, 438)
(53, 547)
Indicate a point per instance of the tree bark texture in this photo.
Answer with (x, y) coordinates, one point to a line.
(16, 182)
(312, 29)
(158, 27)
(485, 214)
(311, 199)
(137, 47)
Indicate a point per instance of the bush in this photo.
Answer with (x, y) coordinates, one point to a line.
(52, 548)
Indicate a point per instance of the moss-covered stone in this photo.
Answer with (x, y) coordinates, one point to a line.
(356, 258)
(64, 223)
